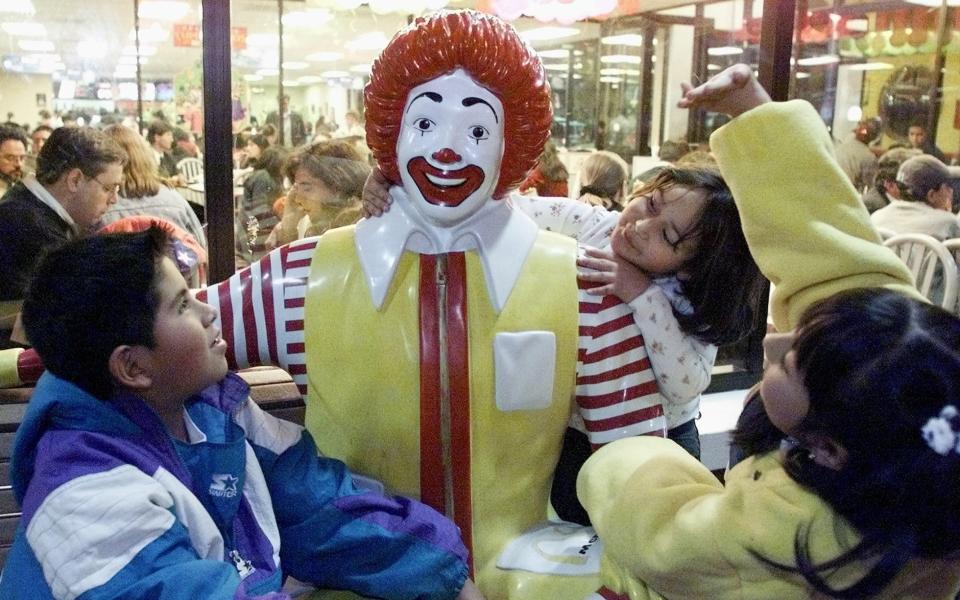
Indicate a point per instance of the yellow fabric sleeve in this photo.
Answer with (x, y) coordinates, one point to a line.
(9, 376)
(806, 225)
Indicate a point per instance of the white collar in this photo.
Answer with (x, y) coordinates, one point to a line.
(31, 183)
(501, 234)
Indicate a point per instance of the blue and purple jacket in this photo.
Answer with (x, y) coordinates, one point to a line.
(113, 507)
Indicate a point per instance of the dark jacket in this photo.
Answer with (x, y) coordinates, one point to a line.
(28, 229)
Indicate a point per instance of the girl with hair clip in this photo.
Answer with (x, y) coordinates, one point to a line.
(864, 500)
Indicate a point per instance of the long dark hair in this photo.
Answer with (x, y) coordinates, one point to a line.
(722, 282)
(877, 366)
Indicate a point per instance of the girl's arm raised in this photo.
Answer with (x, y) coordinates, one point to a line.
(805, 223)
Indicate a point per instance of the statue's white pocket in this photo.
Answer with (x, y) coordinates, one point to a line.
(524, 363)
(554, 548)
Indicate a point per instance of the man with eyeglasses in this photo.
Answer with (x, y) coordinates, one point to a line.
(79, 172)
(13, 154)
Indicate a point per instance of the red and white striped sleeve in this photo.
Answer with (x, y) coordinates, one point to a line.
(260, 311)
(617, 393)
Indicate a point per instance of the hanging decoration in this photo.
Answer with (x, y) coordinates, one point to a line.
(562, 11)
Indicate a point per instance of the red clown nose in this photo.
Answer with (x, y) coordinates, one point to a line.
(446, 156)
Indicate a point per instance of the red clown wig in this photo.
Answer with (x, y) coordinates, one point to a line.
(492, 53)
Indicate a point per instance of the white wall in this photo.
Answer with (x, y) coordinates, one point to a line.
(18, 94)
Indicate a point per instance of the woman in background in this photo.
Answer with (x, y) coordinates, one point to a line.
(549, 177)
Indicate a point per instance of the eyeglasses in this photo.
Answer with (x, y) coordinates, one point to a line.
(107, 188)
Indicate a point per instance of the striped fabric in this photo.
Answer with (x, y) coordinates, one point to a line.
(262, 316)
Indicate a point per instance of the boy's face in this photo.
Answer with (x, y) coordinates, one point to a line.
(188, 354)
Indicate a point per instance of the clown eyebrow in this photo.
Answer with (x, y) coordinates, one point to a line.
(432, 95)
(468, 102)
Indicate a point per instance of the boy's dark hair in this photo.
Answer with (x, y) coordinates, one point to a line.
(90, 296)
(84, 148)
(723, 283)
(272, 161)
(877, 366)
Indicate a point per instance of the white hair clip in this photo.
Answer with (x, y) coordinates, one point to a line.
(939, 432)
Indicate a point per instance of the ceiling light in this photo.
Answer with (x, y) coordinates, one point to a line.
(163, 10)
(557, 53)
(823, 59)
(144, 50)
(309, 79)
(325, 56)
(268, 72)
(858, 25)
(23, 7)
(91, 49)
(25, 29)
(555, 66)
(628, 59)
(252, 77)
(36, 45)
(269, 40)
(869, 66)
(541, 34)
(154, 34)
(295, 65)
(725, 51)
(624, 39)
(307, 18)
(334, 74)
(611, 80)
(291, 83)
(613, 71)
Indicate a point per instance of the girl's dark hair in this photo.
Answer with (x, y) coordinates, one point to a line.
(722, 282)
(90, 296)
(877, 366)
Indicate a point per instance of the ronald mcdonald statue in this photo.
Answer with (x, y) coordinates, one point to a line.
(444, 347)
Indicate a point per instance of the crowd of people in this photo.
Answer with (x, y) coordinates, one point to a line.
(846, 481)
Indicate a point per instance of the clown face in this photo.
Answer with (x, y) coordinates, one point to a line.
(450, 147)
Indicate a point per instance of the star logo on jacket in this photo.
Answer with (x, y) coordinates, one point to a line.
(224, 485)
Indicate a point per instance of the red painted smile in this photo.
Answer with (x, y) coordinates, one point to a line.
(444, 188)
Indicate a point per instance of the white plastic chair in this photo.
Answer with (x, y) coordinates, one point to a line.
(191, 169)
(886, 234)
(933, 267)
(953, 246)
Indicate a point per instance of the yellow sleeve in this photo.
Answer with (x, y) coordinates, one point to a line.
(9, 375)
(646, 498)
(805, 224)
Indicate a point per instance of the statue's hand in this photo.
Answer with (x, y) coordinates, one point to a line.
(733, 91)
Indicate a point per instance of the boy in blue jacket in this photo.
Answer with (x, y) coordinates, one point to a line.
(145, 471)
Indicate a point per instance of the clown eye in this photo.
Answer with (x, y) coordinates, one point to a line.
(478, 133)
(423, 125)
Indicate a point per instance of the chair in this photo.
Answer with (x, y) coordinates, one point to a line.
(886, 234)
(933, 267)
(191, 169)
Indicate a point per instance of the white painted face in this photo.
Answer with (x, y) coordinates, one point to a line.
(450, 147)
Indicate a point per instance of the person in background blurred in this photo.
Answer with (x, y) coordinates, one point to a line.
(603, 180)
(13, 156)
(160, 138)
(926, 200)
(143, 192)
(856, 158)
(37, 139)
(184, 145)
(261, 189)
(328, 180)
(256, 145)
(884, 188)
(549, 177)
(919, 138)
